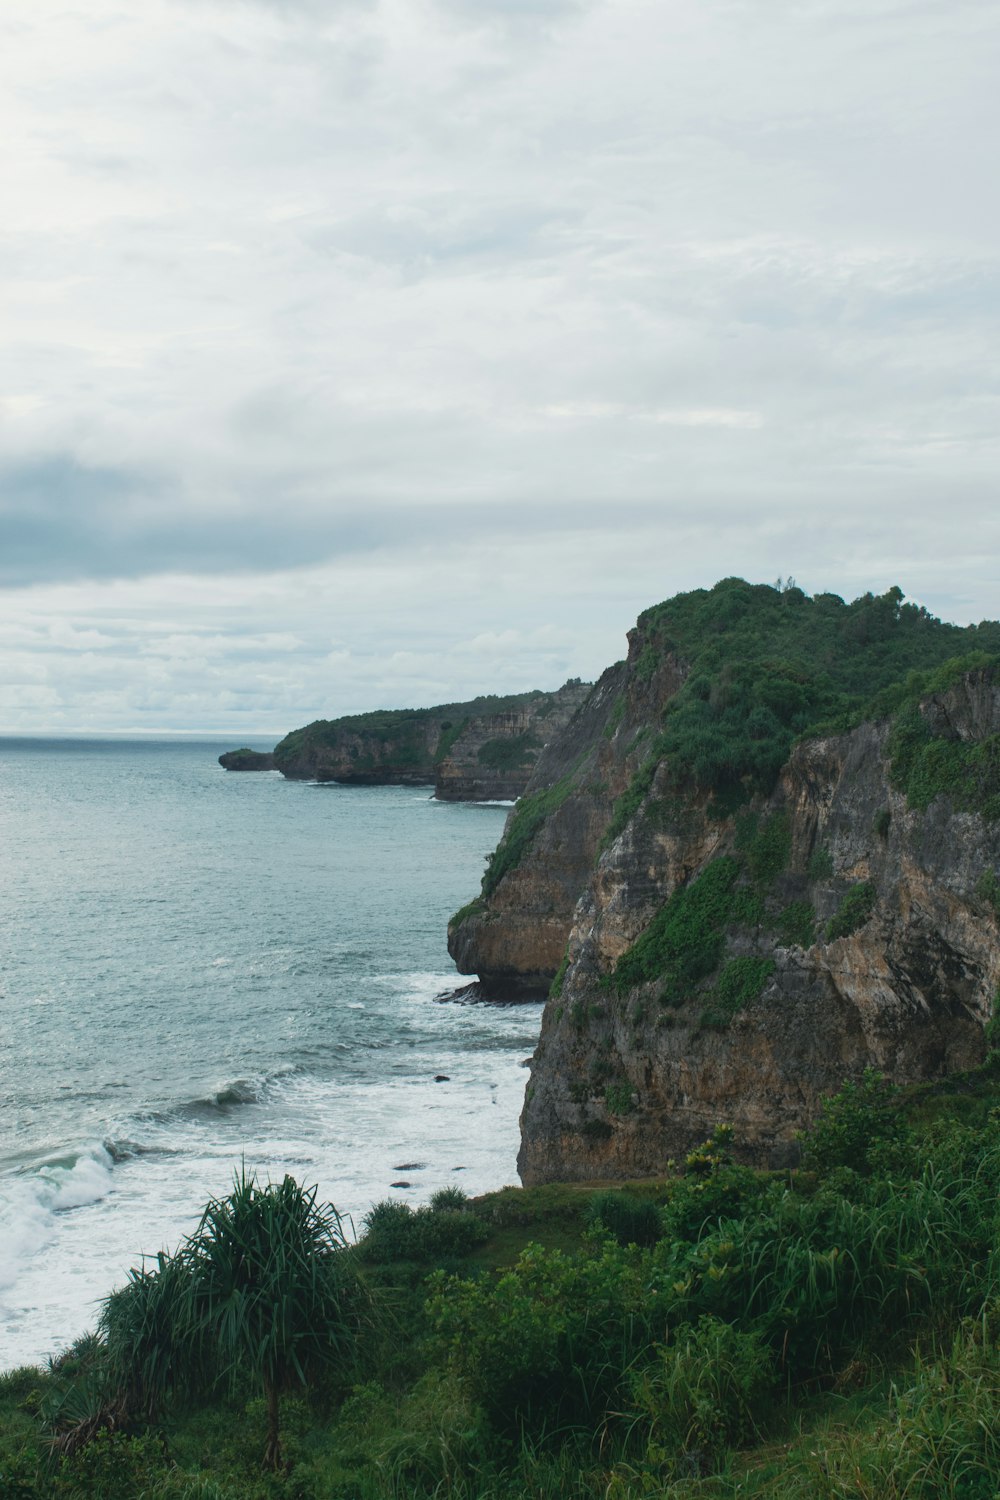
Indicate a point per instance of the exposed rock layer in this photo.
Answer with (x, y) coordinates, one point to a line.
(482, 750)
(620, 1081)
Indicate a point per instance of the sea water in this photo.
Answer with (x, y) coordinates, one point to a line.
(201, 969)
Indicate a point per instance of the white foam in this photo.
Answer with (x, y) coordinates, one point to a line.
(29, 1201)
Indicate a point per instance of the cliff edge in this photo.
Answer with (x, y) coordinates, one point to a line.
(764, 855)
(481, 750)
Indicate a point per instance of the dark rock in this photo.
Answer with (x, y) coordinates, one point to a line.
(247, 760)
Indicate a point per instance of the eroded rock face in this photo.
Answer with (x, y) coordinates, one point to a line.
(495, 754)
(621, 1081)
(479, 751)
(908, 993)
(247, 760)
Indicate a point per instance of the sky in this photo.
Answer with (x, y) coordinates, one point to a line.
(361, 353)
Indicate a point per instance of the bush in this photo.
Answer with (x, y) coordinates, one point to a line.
(684, 941)
(855, 1127)
(447, 1230)
(853, 912)
(795, 927)
(619, 1099)
(740, 982)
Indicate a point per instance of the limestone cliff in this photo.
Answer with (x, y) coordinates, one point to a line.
(494, 755)
(731, 945)
(480, 750)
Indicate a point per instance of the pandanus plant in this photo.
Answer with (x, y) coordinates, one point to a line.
(263, 1290)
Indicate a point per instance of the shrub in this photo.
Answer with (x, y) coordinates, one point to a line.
(619, 1099)
(766, 846)
(700, 1393)
(795, 927)
(820, 865)
(525, 821)
(683, 943)
(447, 1230)
(853, 912)
(740, 982)
(853, 1125)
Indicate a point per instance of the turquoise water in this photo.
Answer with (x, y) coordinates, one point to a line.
(199, 967)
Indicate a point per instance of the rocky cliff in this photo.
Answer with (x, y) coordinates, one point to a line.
(494, 755)
(481, 750)
(738, 906)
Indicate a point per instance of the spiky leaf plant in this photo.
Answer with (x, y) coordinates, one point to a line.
(272, 1293)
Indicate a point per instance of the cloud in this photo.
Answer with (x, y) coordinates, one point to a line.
(580, 301)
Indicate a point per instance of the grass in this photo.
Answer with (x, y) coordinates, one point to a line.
(831, 1333)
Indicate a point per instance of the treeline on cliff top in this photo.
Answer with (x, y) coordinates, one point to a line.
(815, 1335)
(770, 664)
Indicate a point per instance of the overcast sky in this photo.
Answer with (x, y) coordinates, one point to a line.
(381, 352)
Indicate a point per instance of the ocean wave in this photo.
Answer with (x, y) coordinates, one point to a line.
(228, 1096)
(31, 1197)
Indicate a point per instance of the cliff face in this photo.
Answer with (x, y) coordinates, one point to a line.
(480, 750)
(718, 962)
(494, 755)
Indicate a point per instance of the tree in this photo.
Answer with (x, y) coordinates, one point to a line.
(272, 1291)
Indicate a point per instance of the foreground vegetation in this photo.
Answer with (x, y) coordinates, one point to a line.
(831, 1332)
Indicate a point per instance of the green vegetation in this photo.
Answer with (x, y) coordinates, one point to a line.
(988, 890)
(450, 732)
(768, 665)
(820, 865)
(683, 943)
(853, 911)
(619, 1099)
(512, 753)
(828, 1333)
(614, 718)
(556, 987)
(739, 983)
(527, 818)
(765, 846)
(796, 925)
(927, 765)
(470, 909)
(399, 735)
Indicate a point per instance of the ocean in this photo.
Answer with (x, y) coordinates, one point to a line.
(201, 968)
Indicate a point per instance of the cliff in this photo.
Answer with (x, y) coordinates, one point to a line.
(494, 755)
(763, 857)
(481, 750)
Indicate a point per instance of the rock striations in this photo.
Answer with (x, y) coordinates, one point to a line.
(483, 750)
(737, 905)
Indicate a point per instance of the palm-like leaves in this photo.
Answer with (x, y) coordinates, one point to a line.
(271, 1292)
(264, 1288)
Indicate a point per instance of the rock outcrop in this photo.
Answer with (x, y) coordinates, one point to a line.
(482, 750)
(247, 760)
(732, 952)
(494, 755)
